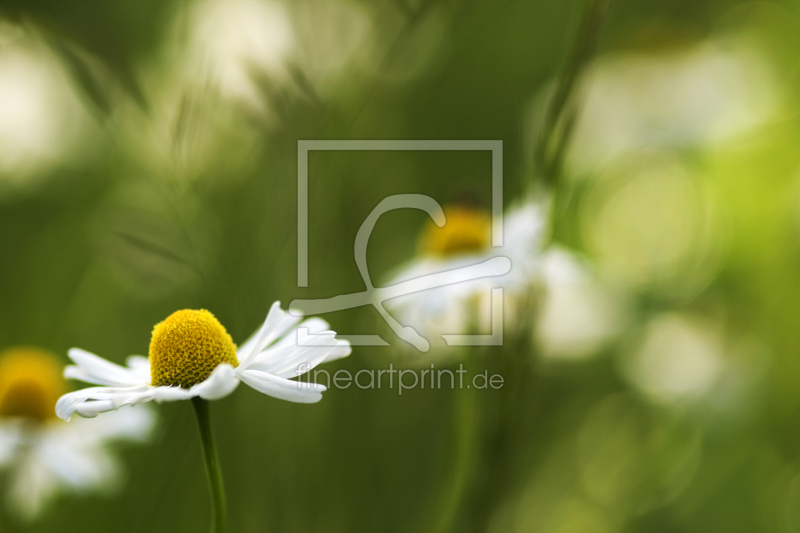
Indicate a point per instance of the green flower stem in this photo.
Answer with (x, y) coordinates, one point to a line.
(213, 471)
(464, 457)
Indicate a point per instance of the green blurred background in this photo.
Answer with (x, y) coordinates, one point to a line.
(148, 156)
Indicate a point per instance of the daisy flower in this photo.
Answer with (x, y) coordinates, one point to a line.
(193, 356)
(465, 240)
(575, 314)
(44, 456)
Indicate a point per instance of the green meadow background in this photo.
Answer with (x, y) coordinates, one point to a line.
(163, 177)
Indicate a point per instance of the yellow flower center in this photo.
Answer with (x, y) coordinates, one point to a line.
(467, 230)
(30, 383)
(187, 347)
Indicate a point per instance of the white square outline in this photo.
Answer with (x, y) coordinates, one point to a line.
(305, 146)
(495, 147)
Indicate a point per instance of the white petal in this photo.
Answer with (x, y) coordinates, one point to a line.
(526, 226)
(172, 394)
(94, 369)
(276, 358)
(10, 439)
(264, 335)
(124, 424)
(74, 372)
(68, 403)
(302, 358)
(283, 389)
(79, 463)
(92, 409)
(286, 323)
(311, 326)
(270, 358)
(95, 400)
(140, 366)
(343, 349)
(32, 485)
(111, 398)
(219, 384)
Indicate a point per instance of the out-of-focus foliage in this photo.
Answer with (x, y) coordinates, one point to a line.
(148, 155)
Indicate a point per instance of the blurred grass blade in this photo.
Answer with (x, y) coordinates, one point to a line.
(561, 108)
(93, 77)
(86, 77)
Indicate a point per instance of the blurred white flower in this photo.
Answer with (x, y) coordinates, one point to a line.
(192, 355)
(704, 94)
(229, 65)
(230, 39)
(682, 359)
(42, 455)
(577, 314)
(330, 37)
(679, 358)
(464, 240)
(234, 42)
(42, 121)
(650, 222)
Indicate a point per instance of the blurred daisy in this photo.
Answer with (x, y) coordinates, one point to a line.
(193, 356)
(464, 240)
(44, 456)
